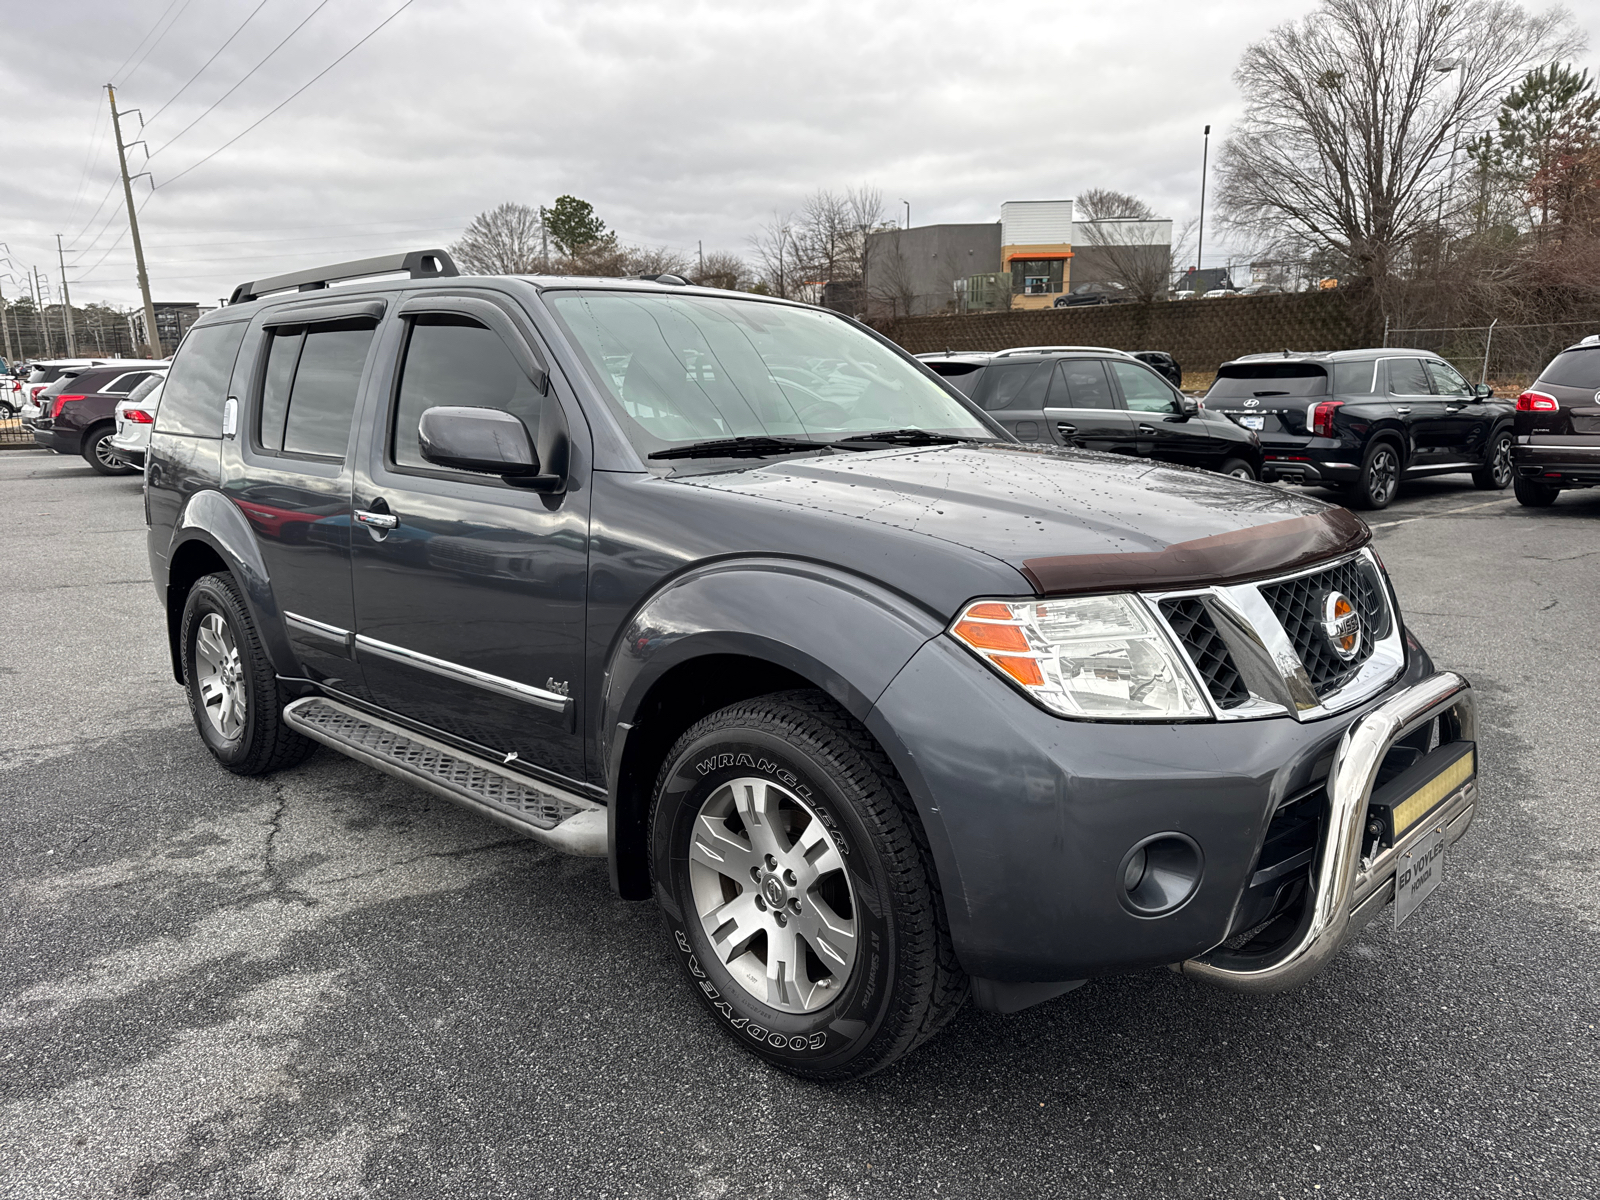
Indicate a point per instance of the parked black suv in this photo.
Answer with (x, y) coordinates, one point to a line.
(1362, 421)
(880, 706)
(1558, 427)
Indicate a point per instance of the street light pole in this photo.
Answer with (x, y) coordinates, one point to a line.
(907, 203)
(152, 337)
(1200, 247)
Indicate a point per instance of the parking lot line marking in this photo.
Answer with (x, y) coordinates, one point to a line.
(1445, 513)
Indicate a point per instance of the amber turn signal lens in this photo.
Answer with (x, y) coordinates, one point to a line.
(1024, 670)
(992, 637)
(992, 612)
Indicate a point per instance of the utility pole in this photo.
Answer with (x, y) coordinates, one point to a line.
(700, 258)
(5, 327)
(44, 325)
(66, 300)
(152, 337)
(1200, 247)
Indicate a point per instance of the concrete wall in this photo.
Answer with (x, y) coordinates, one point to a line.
(915, 270)
(1200, 334)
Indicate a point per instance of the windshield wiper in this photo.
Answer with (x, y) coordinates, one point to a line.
(902, 437)
(740, 447)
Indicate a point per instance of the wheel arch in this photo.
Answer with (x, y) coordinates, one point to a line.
(727, 633)
(212, 535)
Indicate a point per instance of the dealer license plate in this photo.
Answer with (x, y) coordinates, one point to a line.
(1419, 873)
(1253, 422)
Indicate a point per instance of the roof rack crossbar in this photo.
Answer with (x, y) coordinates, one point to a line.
(420, 264)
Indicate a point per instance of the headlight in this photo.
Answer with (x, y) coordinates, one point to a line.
(1088, 656)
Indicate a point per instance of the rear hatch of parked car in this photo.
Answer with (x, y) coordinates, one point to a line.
(1270, 397)
(1560, 413)
(963, 373)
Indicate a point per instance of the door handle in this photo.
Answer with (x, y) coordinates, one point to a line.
(1403, 410)
(377, 520)
(1065, 429)
(1452, 408)
(1146, 429)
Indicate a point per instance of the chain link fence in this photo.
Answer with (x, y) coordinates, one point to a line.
(1508, 357)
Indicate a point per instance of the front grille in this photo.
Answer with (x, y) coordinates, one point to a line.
(1298, 602)
(1206, 649)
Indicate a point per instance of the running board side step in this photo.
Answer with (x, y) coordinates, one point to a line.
(558, 818)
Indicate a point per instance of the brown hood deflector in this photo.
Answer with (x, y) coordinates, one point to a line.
(1222, 558)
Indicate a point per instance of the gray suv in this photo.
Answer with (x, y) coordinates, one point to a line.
(882, 708)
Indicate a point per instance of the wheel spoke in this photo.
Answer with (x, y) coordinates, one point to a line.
(832, 938)
(757, 805)
(732, 926)
(815, 845)
(785, 967)
(717, 847)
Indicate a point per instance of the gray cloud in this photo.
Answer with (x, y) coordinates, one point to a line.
(678, 120)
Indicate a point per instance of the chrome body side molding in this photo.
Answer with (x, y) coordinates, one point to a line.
(509, 688)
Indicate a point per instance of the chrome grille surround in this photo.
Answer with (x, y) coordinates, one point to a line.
(1264, 652)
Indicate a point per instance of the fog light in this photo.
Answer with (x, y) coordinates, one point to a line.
(1160, 874)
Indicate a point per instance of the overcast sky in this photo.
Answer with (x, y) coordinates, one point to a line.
(679, 120)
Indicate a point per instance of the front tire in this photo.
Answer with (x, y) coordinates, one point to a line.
(232, 688)
(1531, 494)
(798, 888)
(1496, 473)
(1379, 480)
(97, 452)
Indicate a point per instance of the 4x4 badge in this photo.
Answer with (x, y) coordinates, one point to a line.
(1342, 625)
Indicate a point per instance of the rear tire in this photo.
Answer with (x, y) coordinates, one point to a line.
(232, 688)
(1238, 468)
(1379, 481)
(798, 888)
(1496, 473)
(98, 454)
(1535, 495)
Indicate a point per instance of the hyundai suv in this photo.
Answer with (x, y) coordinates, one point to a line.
(882, 708)
(1364, 421)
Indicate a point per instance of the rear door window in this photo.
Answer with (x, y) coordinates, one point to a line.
(1082, 383)
(1574, 368)
(1407, 378)
(309, 390)
(197, 384)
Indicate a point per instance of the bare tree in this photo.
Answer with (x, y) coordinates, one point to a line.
(720, 270)
(1102, 204)
(774, 249)
(503, 241)
(1352, 114)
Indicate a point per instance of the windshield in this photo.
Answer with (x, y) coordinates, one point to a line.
(685, 369)
(1269, 379)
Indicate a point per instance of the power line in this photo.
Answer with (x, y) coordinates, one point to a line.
(308, 83)
(210, 60)
(142, 40)
(98, 207)
(240, 84)
(134, 69)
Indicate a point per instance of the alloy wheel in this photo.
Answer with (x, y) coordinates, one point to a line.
(772, 894)
(1383, 476)
(106, 455)
(1501, 467)
(220, 674)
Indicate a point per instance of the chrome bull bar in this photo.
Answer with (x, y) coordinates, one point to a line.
(1345, 891)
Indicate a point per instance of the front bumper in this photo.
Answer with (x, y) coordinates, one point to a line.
(1347, 889)
(1031, 817)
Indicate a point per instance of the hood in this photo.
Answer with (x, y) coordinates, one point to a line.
(1069, 520)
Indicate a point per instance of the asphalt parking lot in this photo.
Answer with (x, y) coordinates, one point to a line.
(327, 984)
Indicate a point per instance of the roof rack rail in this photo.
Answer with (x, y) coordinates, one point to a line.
(421, 264)
(1060, 350)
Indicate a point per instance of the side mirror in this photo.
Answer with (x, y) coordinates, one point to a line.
(486, 441)
(1483, 391)
(1189, 405)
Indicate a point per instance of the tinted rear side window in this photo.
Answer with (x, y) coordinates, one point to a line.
(1355, 378)
(313, 377)
(1269, 379)
(1014, 385)
(197, 385)
(1574, 368)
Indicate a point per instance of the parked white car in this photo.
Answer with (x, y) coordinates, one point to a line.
(136, 416)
